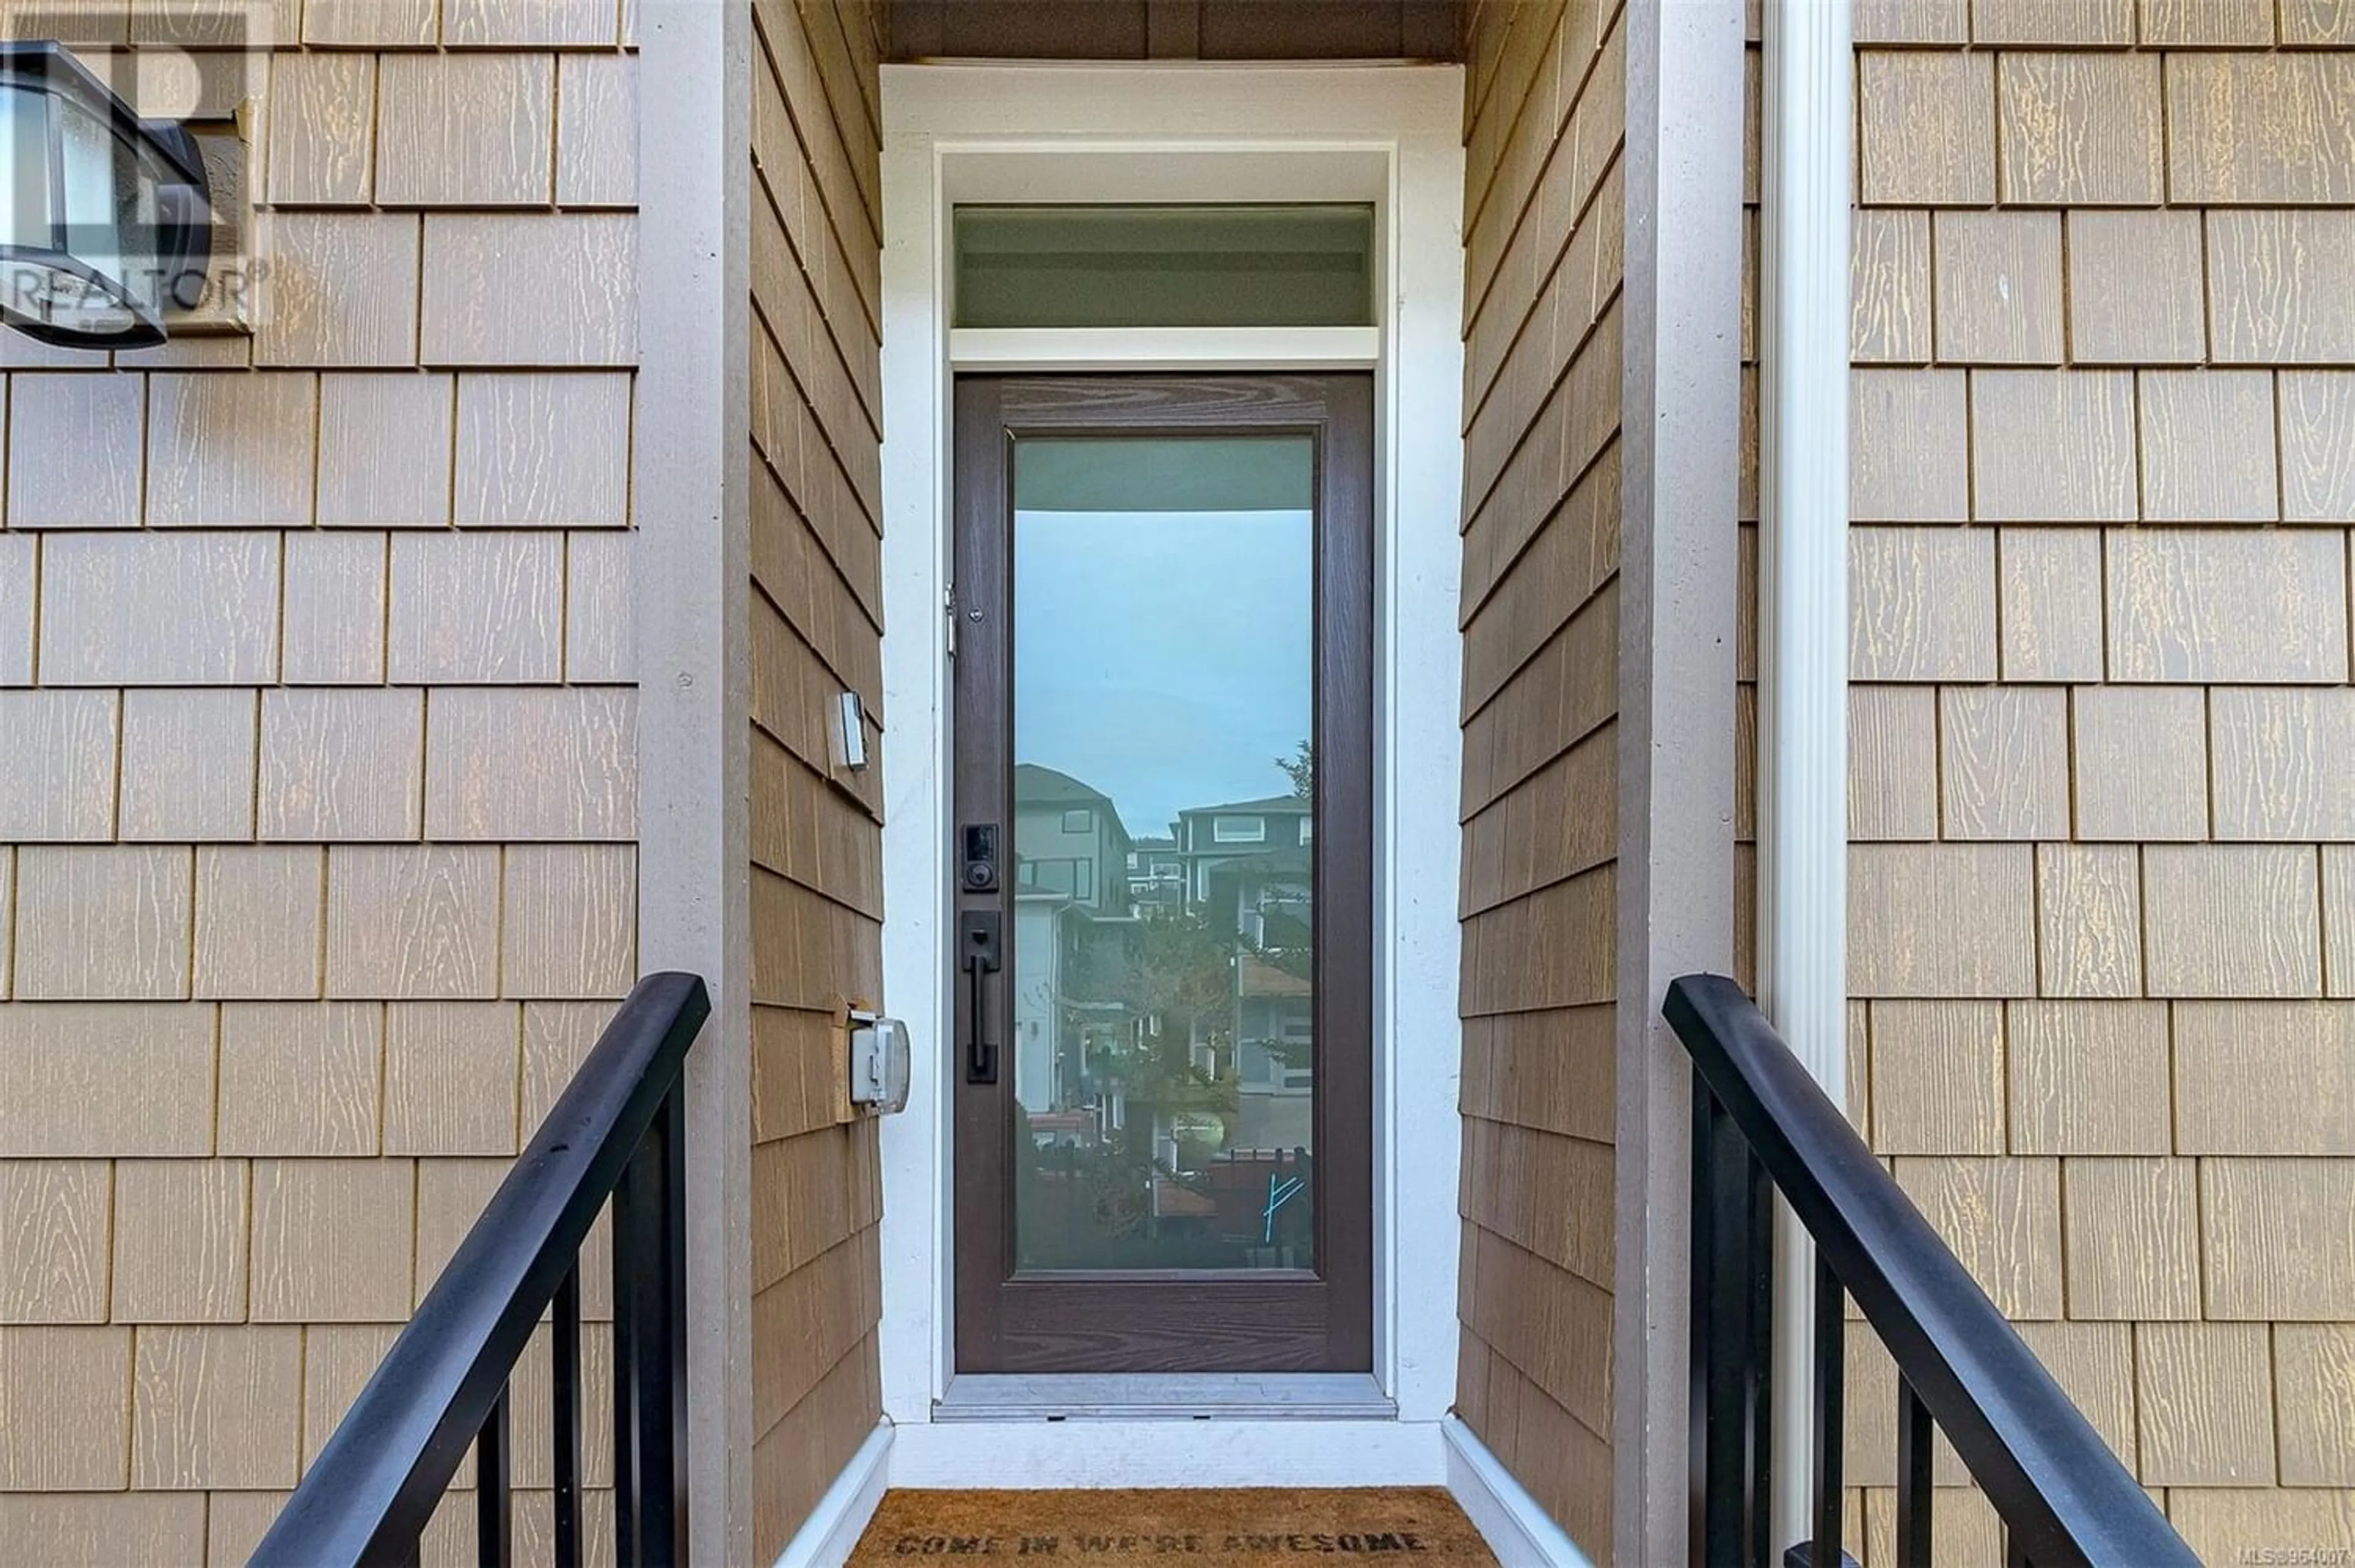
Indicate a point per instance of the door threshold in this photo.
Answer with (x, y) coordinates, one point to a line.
(1168, 1396)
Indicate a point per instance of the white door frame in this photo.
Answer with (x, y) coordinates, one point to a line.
(1389, 134)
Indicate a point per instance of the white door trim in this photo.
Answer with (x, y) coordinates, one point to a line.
(1391, 135)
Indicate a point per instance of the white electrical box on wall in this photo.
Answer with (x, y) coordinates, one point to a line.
(879, 1063)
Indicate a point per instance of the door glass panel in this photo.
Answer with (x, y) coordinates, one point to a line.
(1165, 266)
(1164, 1018)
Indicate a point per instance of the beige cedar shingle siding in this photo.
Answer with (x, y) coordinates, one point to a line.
(1544, 212)
(815, 610)
(317, 816)
(2103, 448)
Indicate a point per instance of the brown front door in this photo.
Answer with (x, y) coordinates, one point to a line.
(1163, 742)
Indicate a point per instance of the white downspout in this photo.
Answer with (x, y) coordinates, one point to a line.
(1802, 621)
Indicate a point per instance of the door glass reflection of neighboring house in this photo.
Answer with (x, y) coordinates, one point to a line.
(1165, 1030)
(1071, 901)
(1251, 869)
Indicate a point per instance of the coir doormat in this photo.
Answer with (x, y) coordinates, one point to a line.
(1239, 1526)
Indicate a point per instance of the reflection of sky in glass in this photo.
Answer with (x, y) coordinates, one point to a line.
(1162, 658)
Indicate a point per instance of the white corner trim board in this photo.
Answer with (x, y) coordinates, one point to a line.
(833, 1526)
(1521, 1533)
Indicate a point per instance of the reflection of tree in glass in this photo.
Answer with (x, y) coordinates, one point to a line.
(1287, 944)
(1301, 769)
(1176, 975)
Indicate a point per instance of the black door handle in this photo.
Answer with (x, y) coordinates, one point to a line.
(978, 954)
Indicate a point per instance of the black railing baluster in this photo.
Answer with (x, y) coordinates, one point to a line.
(1716, 1522)
(629, 1483)
(1733, 1254)
(650, 1320)
(1706, 1483)
(564, 1426)
(671, 1383)
(493, 1515)
(1915, 1452)
(1830, 1361)
(1758, 1430)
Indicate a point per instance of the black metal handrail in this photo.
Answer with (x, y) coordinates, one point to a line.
(617, 1132)
(1762, 1124)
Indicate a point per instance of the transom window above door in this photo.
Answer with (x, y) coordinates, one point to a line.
(1191, 265)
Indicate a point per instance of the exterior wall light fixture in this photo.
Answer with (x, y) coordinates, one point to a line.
(105, 218)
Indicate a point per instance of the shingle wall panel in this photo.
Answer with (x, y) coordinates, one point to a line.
(55, 1266)
(2189, 605)
(2053, 446)
(19, 591)
(1909, 431)
(2089, 1077)
(93, 428)
(2233, 920)
(1921, 604)
(322, 128)
(334, 614)
(2273, 1078)
(2141, 762)
(2206, 1403)
(812, 603)
(219, 675)
(2132, 1239)
(2137, 292)
(1545, 199)
(1928, 128)
(2281, 285)
(188, 765)
(2208, 446)
(2051, 603)
(466, 131)
(56, 772)
(159, 609)
(180, 1240)
(2080, 128)
(2171, 487)
(2088, 920)
(1889, 281)
(2271, 128)
(2317, 1430)
(1997, 281)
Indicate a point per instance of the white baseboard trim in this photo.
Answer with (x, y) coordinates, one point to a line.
(1168, 1453)
(833, 1528)
(1521, 1533)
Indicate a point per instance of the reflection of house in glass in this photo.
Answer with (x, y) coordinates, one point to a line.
(1156, 876)
(1251, 867)
(1163, 1023)
(1071, 878)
